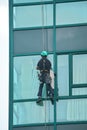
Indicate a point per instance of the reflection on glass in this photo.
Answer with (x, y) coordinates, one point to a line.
(29, 16)
(63, 75)
(30, 112)
(26, 81)
(79, 91)
(72, 110)
(25, 1)
(80, 69)
(69, 13)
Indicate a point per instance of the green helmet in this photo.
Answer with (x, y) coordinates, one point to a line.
(44, 53)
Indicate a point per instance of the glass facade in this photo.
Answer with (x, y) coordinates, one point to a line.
(72, 110)
(32, 41)
(31, 16)
(26, 81)
(34, 113)
(63, 75)
(79, 91)
(71, 13)
(60, 28)
(80, 69)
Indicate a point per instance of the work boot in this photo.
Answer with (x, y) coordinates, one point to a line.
(52, 99)
(39, 100)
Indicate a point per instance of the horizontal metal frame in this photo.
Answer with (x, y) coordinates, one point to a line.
(31, 54)
(50, 27)
(33, 28)
(78, 52)
(28, 100)
(33, 124)
(79, 85)
(59, 98)
(32, 3)
(49, 124)
(46, 2)
(69, 1)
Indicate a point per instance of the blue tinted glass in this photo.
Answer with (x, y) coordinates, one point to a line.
(29, 16)
(80, 69)
(25, 1)
(63, 75)
(26, 83)
(69, 13)
(26, 41)
(72, 110)
(79, 91)
(30, 112)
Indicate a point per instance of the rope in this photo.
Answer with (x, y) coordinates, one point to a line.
(43, 33)
(43, 40)
(45, 47)
(46, 29)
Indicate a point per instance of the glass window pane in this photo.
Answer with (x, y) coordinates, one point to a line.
(26, 83)
(79, 91)
(71, 38)
(30, 16)
(69, 13)
(30, 112)
(72, 110)
(25, 1)
(80, 69)
(32, 41)
(63, 75)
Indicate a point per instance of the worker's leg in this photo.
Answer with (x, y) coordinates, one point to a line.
(40, 93)
(40, 90)
(50, 90)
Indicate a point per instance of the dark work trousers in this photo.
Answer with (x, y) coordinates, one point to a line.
(45, 79)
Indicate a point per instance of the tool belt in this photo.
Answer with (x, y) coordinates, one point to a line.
(44, 71)
(44, 77)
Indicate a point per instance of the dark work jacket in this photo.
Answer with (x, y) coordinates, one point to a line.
(44, 65)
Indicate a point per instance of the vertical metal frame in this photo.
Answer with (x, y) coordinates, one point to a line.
(10, 64)
(70, 74)
(55, 61)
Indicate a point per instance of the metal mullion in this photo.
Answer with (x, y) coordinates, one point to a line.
(71, 25)
(28, 100)
(72, 97)
(32, 28)
(74, 52)
(79, 85)
(10, 65)
(55, 61)
(50, 27)
(50, 124)
(29, 54)
(70, 74)
(51, 52)
(32, 3)
(33, 124)
(71, 122)
(69, 1)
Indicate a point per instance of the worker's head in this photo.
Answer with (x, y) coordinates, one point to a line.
(44, 54)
